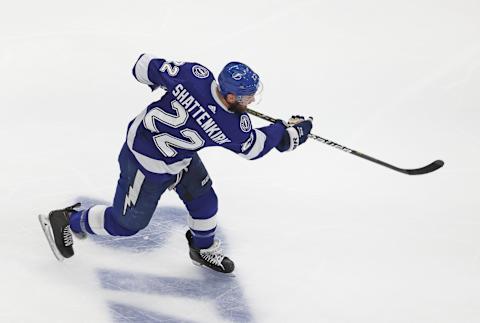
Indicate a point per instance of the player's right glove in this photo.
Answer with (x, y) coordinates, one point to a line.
(296, 133)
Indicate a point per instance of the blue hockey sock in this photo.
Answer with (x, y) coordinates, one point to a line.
(80, 222)
(76, 221)
(202, 239)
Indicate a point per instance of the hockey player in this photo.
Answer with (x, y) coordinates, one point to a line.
(160, 152)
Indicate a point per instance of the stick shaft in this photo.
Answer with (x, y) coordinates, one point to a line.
(418, 171)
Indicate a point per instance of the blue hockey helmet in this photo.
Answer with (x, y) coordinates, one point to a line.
(239, 79)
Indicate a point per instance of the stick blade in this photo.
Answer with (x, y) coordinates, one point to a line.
(425, 170)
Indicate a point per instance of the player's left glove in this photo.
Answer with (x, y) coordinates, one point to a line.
(296, 133)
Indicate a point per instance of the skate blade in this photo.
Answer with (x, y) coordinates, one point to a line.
(196, 263)
(47, 230)
(210, 270)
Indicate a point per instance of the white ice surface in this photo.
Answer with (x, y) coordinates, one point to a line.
(317, 235)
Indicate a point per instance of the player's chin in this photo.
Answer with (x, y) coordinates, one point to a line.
(238, 108)
(243, 108)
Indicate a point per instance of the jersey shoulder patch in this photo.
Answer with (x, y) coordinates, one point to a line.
(245, 123)
(200, 71)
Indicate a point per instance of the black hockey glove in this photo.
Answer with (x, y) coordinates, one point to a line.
(296, 133)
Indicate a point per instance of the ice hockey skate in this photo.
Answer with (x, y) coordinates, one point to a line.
(57, 231)
(211, 257)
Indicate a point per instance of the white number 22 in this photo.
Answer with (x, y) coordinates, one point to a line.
(165, 141)
(172, 70)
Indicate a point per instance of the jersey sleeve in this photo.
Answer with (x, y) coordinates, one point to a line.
(258, 142)
(158, 72)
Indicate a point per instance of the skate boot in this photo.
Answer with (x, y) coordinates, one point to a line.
(211, 257)
(57, 231)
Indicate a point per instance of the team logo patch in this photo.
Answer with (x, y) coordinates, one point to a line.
(237, 76)
(245, 124)
(200, 71)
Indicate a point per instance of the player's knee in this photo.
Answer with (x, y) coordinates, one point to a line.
(134, 217)
(115, 228)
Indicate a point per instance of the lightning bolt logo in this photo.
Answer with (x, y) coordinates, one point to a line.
(133, 191)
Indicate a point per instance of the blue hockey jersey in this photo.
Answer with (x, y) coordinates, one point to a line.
(189, 117)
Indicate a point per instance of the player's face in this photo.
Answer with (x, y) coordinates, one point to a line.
(246, 100)
(241, 103)
(237, 107)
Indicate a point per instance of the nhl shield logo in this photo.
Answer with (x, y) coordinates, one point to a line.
(200, 71)
(245, 124)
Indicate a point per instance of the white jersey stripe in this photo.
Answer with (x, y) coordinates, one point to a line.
(141, 69)
(201, 224)
(258, 146)
(150, 164)
(96, 220)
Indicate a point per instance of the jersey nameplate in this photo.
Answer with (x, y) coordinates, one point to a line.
(201, 116)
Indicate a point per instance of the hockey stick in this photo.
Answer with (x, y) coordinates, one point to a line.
(417, 171)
